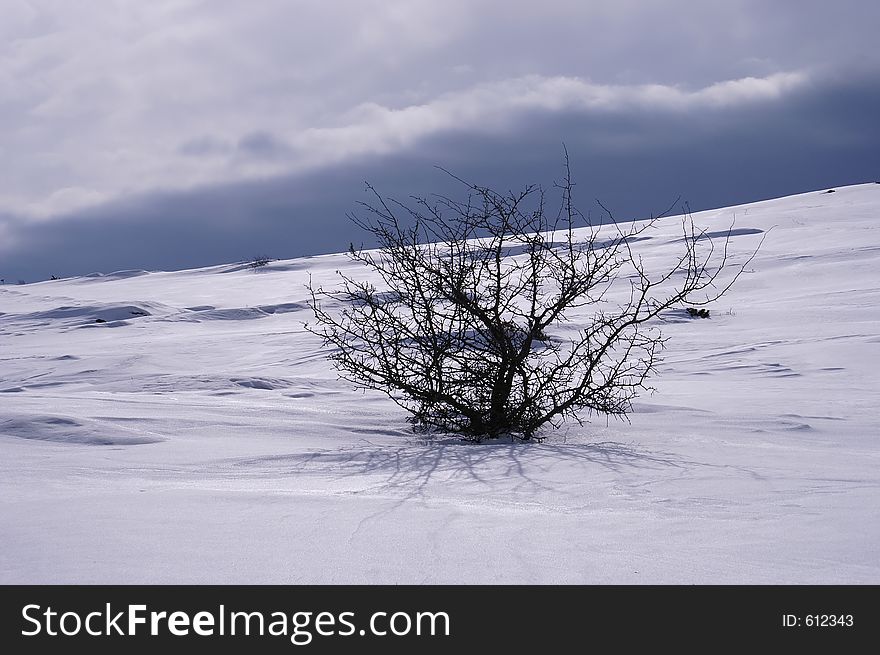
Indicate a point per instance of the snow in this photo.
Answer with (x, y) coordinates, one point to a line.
(199, 435)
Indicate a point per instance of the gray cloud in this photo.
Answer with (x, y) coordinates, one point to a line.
(823, 134)
(262, 145)
(204, 146)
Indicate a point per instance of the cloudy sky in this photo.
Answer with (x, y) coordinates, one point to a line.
(180, 133)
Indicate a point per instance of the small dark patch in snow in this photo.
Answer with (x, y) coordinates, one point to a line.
(736, 232)
(105, 324)
(822, 418)
(127, 419)
(59, 420)
(259, 383)
(724, 234)
(800, 427)
(683, 315)
(230, 314)
(282, 308)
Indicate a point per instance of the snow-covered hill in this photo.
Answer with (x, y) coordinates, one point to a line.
(196, 434)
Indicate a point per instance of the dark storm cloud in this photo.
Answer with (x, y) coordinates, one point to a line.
(635, 158)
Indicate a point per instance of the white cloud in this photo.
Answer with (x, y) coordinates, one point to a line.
(375, 129)
(69, 198)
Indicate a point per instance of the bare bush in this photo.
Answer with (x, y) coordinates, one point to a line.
(466, 325)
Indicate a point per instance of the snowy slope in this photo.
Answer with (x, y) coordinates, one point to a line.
(199, 436)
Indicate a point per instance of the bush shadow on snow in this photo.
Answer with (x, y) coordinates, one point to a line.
(412, 468)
